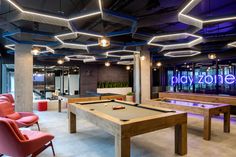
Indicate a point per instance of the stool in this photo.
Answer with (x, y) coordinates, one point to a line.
(42, 106)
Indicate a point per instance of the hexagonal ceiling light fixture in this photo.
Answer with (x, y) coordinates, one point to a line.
(62, 37)
(184, 53)
(232, 44)
(178, 36)
(50, 19)
(41, 48)
(190, 20)
(112, 53)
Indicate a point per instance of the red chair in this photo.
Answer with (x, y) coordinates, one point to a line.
(22, 119)
(16, 143)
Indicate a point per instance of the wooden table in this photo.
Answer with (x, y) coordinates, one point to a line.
(89, 97)
(196, 107)
(129, 122)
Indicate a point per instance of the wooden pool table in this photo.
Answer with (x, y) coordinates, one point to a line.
(206, 109)
(128, 122)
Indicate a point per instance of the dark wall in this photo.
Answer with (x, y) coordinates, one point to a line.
(91, 74)
(114, 73)
(88, 78)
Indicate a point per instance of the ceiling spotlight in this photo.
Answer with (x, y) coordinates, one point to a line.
(60, 61)
(35, 51)
(159, 64)
(107, 64)
(128, 67)
(142, 58)
(212, 56)
(104, 42)
(187, 66)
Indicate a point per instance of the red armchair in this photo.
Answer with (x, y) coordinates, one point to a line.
(22, 119)
(16, 143)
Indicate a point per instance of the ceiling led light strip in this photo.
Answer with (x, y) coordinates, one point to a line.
(183, 17)
(84, 58)
(187, 53)
(127, 57)
(125, 62)
(169, 37)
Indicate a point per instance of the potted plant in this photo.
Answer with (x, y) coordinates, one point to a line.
(130, 97)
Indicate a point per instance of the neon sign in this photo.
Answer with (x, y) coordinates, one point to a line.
(204, 79)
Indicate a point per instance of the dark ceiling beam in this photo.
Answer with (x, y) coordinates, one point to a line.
(158, 19)
(222, 37)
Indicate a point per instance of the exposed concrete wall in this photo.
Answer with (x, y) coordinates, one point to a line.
(23, 78)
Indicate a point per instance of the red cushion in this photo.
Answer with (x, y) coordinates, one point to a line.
(28, 119)
(14, 116)
(15, 128)
(4, 98)
(26, 137)
(9, 96)
(6, 108)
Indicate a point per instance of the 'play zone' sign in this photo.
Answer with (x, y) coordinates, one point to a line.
(203, 79)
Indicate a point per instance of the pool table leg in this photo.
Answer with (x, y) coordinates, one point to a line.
(227, 122)
(72, 122)
(59, 105)
(207, 126)
(122, 146)
(181, 139)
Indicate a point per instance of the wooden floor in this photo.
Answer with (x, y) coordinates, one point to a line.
(91, 141)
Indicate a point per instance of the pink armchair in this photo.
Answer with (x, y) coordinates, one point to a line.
(22, 119)
(16, 143)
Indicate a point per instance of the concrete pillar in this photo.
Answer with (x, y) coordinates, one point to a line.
(23, 78)
(145, 74)
(137, 90)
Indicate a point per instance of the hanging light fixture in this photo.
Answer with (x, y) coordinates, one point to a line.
(107, 64)
(159, 64)
(35, 51)
(104, 41)
(128, 67)
(212, 56)
(60, 61)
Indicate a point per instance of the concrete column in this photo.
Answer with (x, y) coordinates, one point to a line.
(23, 78)
(137, 90)
(145, 72)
